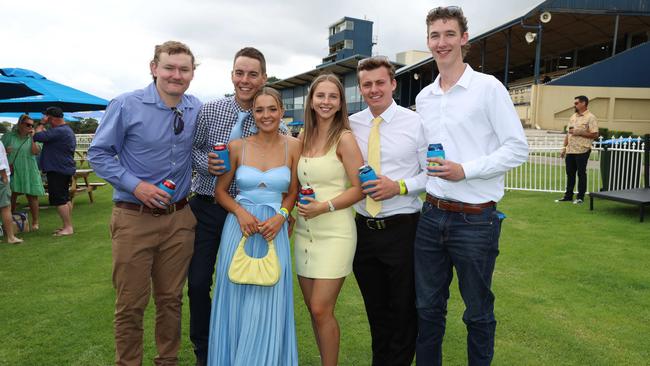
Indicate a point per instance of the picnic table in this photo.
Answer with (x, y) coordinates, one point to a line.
(80, 184)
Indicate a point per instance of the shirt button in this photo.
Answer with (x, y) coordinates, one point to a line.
(305, 250)
(304, 173)
(307, 230)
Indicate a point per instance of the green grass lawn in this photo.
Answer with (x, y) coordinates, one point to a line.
(572, 288)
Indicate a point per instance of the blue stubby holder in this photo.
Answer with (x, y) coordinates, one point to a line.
(366, 173)
(435, 151)
(223, 154)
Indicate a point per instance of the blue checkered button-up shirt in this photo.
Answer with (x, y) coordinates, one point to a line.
(215, 121)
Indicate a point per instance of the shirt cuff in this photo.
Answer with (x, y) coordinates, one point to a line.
(130, 182)
(471, 170)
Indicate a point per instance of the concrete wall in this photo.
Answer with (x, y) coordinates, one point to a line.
(621, 109)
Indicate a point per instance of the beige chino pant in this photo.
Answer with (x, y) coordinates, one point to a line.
(150, 251)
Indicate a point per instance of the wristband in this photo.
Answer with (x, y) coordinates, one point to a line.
(402, 187)
(284, 212)
(331, 206)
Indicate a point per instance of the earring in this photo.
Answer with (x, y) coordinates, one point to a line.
(253, 129)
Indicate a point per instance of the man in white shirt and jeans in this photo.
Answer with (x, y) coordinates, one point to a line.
(383, 262)
(472, 116)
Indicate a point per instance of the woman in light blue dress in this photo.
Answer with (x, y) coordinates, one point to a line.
(250, 324)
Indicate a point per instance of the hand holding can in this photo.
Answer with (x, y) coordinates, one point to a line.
(222, 152)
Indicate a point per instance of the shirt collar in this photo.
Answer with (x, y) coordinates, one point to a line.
(236, 107)
(151, 96)
(387, 115)
(463, 82)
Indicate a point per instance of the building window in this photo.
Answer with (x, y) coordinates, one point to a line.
(349, 44)
(288, 103)
(298, 102)
(346, 25)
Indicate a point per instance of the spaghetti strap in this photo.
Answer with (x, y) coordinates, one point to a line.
(243, 151)
(286, 151)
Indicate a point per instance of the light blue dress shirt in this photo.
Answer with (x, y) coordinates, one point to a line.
(135, 142)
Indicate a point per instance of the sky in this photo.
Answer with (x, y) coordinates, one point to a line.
(104, 47)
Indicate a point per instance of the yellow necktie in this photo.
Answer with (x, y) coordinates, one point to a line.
(374, 160)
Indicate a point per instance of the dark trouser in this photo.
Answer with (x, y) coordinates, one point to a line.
(383, 267)
(576, 163)
(470, 243)
(210, 219)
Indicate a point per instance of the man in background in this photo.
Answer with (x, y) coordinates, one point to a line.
(581, 132)
(57, 162)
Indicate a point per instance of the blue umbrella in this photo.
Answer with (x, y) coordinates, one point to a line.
(14, 89)
(52, 94)
(37, 116)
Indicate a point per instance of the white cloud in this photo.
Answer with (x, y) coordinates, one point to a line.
(104, 47)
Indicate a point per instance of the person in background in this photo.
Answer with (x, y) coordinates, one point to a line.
(5, 199)
(581, 132)
(26, 177)
(152, 230)
(57, 162)
(325, 234)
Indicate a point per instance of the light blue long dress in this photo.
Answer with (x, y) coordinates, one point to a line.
(249, 324)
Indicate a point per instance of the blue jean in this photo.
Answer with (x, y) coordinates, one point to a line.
(470, 243)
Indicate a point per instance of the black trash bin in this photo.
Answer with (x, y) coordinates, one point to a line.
(619, 169)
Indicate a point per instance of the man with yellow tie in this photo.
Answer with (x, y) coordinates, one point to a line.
(391, 139)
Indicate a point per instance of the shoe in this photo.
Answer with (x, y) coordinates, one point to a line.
(564, 199)
(578, 201)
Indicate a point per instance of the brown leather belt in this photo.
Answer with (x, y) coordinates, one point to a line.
(154, 211)
(453, 206)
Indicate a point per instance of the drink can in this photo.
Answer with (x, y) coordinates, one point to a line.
(435, 151)
(222, 152)
(306, 191)
(366, 173)
(168, 186)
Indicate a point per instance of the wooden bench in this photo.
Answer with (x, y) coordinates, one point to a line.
(87, 187)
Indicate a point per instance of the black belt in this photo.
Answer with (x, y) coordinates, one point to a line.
(382, 223)
(154, 211)
(205, 198)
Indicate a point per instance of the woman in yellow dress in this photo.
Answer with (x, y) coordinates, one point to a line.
(325, 235)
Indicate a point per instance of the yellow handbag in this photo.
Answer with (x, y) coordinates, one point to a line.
(246, 270)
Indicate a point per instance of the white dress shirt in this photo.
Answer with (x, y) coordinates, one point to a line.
(403, 150)
(478, 127)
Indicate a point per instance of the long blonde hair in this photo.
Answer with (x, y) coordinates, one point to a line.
(340, 123)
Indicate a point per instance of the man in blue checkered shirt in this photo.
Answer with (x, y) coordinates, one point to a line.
(219, 121)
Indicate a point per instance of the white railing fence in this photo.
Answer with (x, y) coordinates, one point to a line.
(613, 164)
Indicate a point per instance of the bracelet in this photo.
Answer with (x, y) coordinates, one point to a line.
(331, 206)
(284, 213)
(402, 187)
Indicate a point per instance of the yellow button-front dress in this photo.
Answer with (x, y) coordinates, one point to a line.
(324, 246)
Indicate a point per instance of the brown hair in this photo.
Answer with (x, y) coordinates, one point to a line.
(23, 118)
(254, 53)
(375, 62)
(271, 92)
(340, 123)
(172, 48)
(446, 13)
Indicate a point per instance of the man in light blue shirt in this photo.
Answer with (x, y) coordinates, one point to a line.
(144, 139)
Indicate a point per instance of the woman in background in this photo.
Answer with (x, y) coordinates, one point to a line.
(25, 177)
(325, 234)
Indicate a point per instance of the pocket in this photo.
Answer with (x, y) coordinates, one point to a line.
(426, 207)
(485, 218)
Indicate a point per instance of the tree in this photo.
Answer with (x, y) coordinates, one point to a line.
(5, 127)
(86, 125)
(272, 79)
